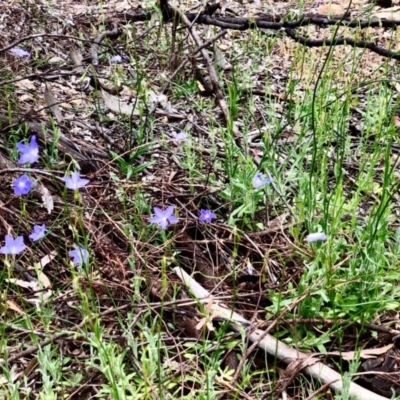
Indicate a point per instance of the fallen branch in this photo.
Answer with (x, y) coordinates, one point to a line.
(278, 23)
(275, 22)
(342, 41)
(278, 349)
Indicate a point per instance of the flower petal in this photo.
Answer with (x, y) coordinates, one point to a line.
(173, 220)
(159, 212)
(169, 211)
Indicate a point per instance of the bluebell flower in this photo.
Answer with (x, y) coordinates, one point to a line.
(22, 185)
(250, 268)
(206, 216)
(119, 59)
(38, 232)
(180, 136)
(75, 182)
(316, 237)
(164, 217)
(259, 180)
(13, 246)
(19, 52)
(28, 153)
(79, 255)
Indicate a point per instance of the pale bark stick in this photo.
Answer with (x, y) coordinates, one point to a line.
(275, 347)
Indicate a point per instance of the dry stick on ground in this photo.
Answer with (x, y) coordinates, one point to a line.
(213, 76)
(279, 349)
(274, 22)
(243, 24)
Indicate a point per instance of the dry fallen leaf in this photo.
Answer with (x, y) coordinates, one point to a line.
(55, 60)
(389, 14)
(116, 105)
(46, 259)
(122, 6)
(45, 196)
(220, 59)
(25, 84)
(210, 315)
(44, 279)
(24, 284)
(31, 366)
(40, 294)
(223, 47)
(365, 354)
(330, 10)
(14, 307)
(200, 86)
(77, 58)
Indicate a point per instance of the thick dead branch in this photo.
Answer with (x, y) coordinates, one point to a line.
(275, 22)
(342, 41)
(278, 23)
(277, 348)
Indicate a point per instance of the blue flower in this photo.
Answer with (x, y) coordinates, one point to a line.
(38, 232)
(180, 136)
(119, 59)
(28, 153)
(19, 52)
(206, 216)
(79, 255)
(13, 246)
(259, 180)
(250, 269)
(75, 182)
(316, 237)
(164, 218)
(22, 185)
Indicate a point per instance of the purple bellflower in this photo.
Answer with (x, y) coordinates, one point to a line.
(316, 237)
(164, 217)
(38, 232)
(22, 185)
(259, 180)
(79, 255)
(19, 52)
(180, 136)
(28, 153)
(119, 59)
(75, 182)
(250, 268)
(206, 216)
(13, 246)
